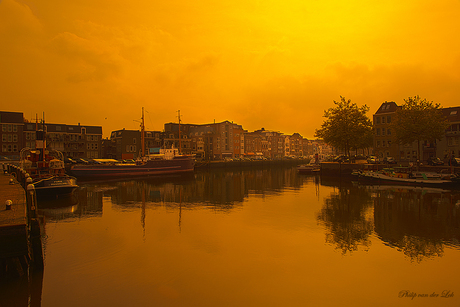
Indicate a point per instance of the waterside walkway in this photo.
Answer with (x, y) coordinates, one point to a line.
(20, 241)
(13, 226)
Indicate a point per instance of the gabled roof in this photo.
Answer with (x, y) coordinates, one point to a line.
(387, 107)
(452, 114)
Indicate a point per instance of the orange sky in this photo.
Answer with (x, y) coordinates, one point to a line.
(272, 64)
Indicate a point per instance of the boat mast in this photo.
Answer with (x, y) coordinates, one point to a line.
(142, 133)
(44, 138)
(178, 115)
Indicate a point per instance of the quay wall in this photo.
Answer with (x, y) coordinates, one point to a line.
(20, 238)
(251, 163)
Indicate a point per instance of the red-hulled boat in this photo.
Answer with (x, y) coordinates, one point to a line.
(169, 161)
(162, 162)
(46, 168)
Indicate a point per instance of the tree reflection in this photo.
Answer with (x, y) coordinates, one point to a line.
(417, 221)
(345, 218)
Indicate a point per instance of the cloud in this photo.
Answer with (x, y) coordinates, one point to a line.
(17, 23)
(89, 60)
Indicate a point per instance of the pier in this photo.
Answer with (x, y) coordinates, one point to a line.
(20, 240)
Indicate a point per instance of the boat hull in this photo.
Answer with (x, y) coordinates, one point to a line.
(379, 178)
(55, 187)
(150, 168)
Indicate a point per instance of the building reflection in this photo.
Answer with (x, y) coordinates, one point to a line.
(217, 189)
(419, 222)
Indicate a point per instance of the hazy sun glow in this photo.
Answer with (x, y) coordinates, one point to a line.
(272, 64)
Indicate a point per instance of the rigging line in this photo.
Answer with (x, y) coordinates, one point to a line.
(149, 117)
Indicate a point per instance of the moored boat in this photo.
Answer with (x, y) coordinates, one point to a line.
(168, 161)
(46, 169)
(312, 168)
(161, 162)
(407, 176)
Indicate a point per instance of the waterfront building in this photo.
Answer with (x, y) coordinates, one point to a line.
(385, 144)
(74, 141)
(127, 144)
(295, 145)
(450, 144)
(11, 134)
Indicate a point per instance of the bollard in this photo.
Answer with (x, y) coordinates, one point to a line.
(32, 199)
(8, 204)
(11, 181)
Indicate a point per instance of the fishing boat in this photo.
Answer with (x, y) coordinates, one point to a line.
(408, 176)
(161, 161)
(46, 169)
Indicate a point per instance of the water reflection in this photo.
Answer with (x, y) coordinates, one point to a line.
(417, 221)
(238, 225)
(347, 219)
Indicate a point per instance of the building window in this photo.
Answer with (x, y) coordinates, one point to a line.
(388, 131)
(388, 119)
(15, 137)
(377, 131)
(15, 128)
(4, 127)
(383, 119)
(383, 131)
(134, 140)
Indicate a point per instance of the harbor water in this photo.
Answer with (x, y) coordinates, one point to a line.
(249, 237)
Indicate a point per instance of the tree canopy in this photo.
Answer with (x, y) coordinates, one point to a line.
(346, 126)
(418, 120)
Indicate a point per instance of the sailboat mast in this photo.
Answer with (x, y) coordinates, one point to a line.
(143, 134)
(180, 147)
(44, 137)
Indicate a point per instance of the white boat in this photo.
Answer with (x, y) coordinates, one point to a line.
(310, 168)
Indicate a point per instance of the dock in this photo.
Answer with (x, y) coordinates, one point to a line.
(20, 240)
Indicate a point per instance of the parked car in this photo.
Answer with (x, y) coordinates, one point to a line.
(70, 161)
(454, 162)
(341, 158)
(81, 161)
(434, 161)
(389, 160)
(373, 160)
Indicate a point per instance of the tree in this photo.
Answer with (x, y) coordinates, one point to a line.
(346, 126)
(418, 120)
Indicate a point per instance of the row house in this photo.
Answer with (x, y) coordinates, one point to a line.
(294, 145)
(11, 131)
(450, 145)
(209, 141)
(127, 144)
(385, 144)
(74, 141)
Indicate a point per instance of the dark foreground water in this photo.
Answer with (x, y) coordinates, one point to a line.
(265, 237)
